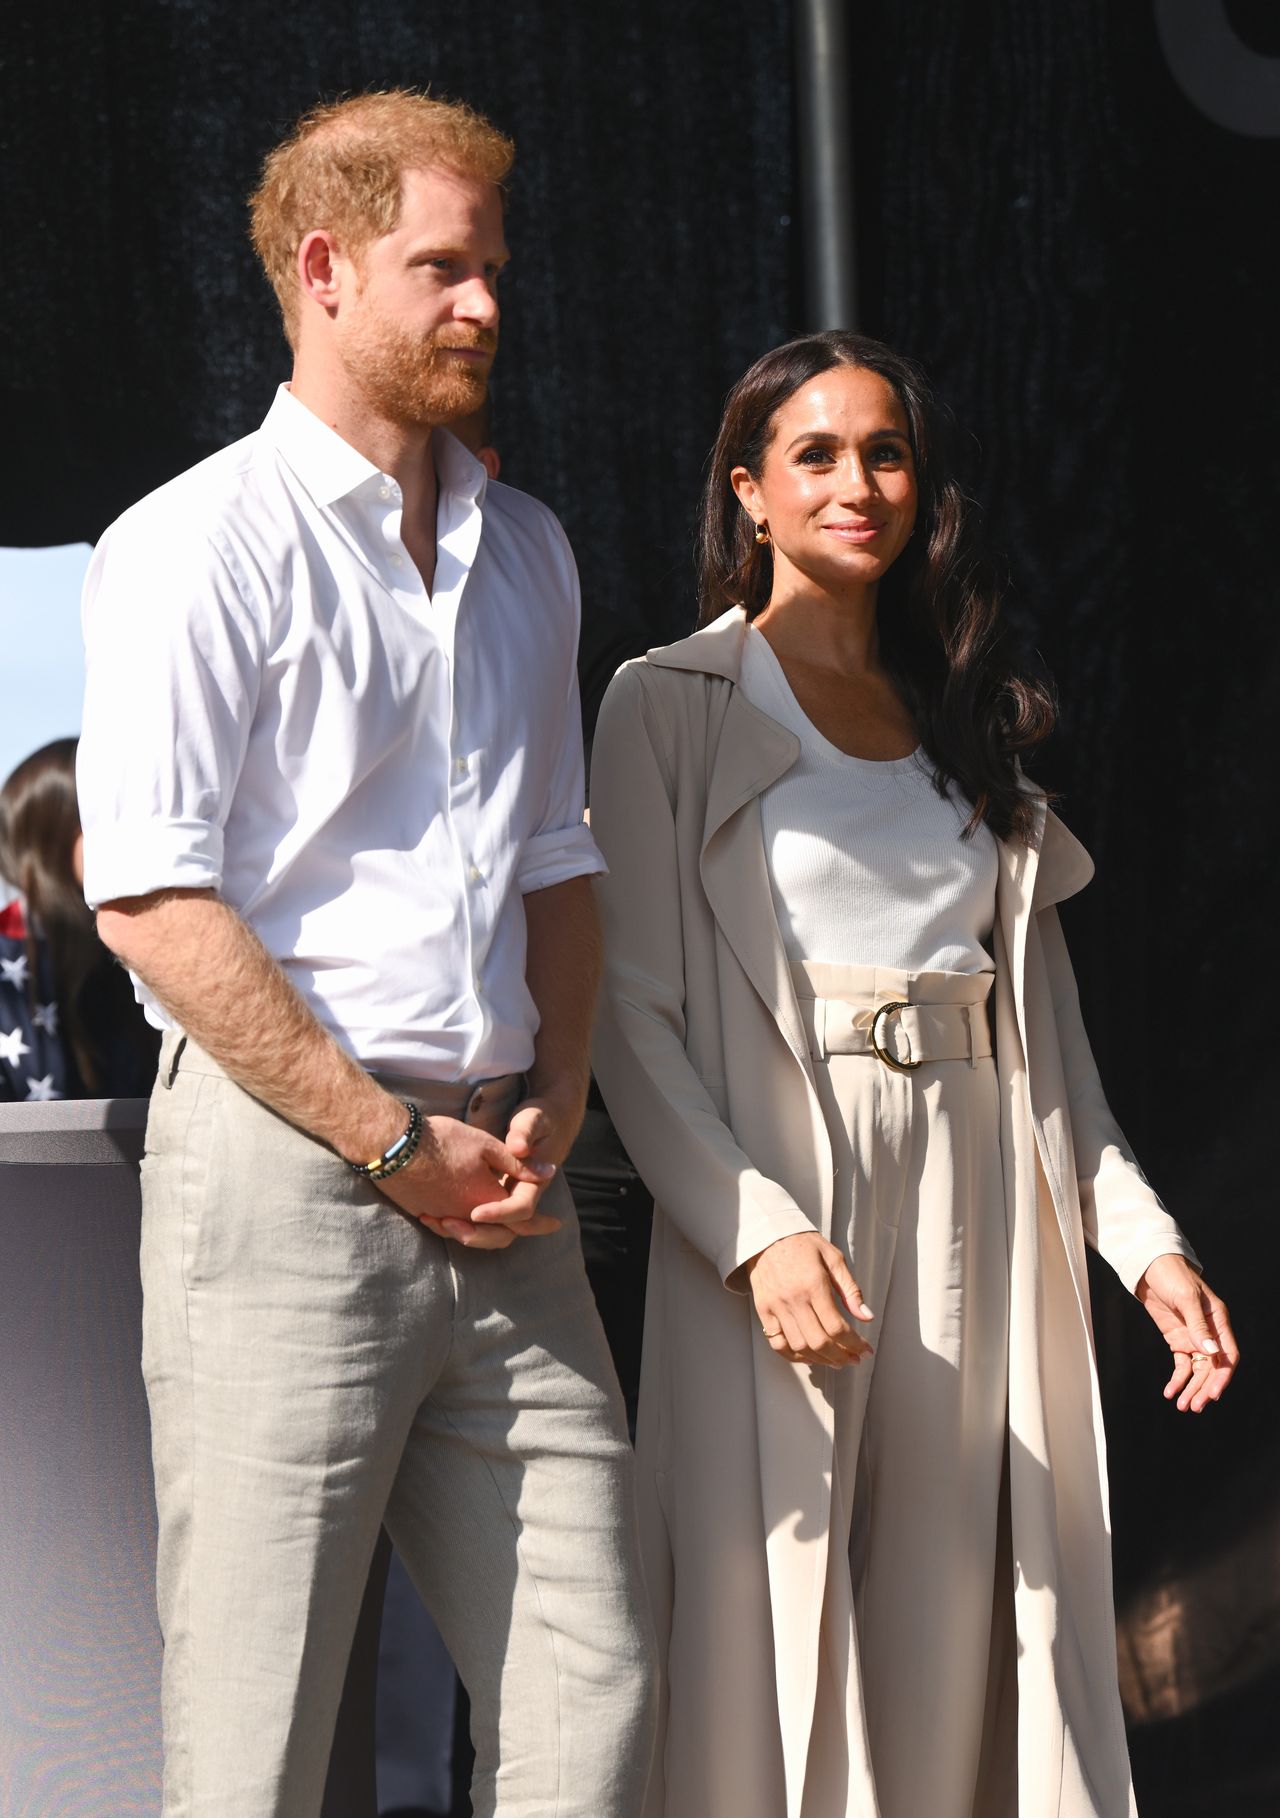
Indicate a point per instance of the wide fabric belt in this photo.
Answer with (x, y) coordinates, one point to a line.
(904, 1036)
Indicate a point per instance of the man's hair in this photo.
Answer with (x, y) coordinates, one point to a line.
(342, 169)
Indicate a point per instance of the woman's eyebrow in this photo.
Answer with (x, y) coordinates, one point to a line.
(830, 435)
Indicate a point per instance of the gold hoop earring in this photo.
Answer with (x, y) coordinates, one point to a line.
(762, 531)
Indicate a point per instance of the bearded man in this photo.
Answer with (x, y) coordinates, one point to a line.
(331, 788)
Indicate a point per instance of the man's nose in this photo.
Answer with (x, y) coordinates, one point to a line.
(477, 303)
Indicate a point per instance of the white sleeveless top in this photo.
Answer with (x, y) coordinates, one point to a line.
(865, 859)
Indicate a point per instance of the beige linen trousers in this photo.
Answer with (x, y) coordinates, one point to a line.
(703, 1058)
(318, 1364)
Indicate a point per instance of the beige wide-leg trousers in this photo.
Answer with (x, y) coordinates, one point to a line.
(914, 1715)
(318, 1363)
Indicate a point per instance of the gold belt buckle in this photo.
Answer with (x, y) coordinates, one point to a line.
(877, 1046)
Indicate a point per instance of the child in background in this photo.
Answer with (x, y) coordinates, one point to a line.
(69, 1025)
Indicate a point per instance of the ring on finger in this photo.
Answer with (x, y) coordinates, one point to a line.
(504, 1181)
(768, 1334)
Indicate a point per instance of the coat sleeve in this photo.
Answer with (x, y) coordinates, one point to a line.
(1122, 1215)
(667, 1119)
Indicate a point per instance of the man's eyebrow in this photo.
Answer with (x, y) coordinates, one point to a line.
(427, 249)
(830, 435)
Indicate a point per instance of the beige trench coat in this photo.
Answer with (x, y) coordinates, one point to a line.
(703, 1061)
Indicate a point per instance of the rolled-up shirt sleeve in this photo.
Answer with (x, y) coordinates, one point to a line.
(173, 662)
(561, 846)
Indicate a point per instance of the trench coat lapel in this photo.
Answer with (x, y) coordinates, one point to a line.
(1015, 892)
(1050, 867)
(753, 752)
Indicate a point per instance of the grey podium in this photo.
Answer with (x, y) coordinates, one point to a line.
(79, 1642)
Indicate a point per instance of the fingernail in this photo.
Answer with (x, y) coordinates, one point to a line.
(1210, 1344)
(543, 1170)
(864, 1311)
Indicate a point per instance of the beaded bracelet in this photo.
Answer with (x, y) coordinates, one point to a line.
(402, 1150)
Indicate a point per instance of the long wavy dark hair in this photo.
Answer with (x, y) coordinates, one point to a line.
(938, 616)
(39, 826)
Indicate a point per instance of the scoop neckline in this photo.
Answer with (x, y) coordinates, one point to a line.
(880, 766)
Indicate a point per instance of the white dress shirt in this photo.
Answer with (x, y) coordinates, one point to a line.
(371, 776)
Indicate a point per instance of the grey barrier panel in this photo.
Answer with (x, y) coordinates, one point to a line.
(79, 1641)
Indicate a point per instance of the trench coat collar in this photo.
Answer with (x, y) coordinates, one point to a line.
(715, 650)
(753, 750)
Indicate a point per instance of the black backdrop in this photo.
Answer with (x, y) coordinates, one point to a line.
(1075, 251)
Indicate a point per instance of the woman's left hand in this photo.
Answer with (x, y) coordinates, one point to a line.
(1196, 1328)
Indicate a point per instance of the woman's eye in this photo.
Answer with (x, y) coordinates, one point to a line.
(813, 457)
(889, 454)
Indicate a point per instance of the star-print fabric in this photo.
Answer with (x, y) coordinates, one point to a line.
(33, 1062)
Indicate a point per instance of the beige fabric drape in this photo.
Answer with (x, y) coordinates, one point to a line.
(703, 1059)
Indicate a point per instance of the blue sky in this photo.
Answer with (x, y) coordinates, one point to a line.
(41, 661)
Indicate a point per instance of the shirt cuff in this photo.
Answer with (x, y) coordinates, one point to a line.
(553, 858)
(122, 860)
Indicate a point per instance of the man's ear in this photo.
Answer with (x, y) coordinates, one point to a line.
(320, 267)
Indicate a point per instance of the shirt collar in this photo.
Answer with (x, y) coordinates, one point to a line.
(331, 469)
(328, 467)
(457, 469)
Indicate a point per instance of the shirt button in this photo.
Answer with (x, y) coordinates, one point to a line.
(384, 492)
(474, 873)
(397, 561)
(460, 766)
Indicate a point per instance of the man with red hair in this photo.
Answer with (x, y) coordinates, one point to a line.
(331, 785)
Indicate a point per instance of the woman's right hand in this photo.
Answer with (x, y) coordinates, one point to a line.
(799, 1284)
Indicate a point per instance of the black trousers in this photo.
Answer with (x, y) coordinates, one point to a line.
(615, 1213)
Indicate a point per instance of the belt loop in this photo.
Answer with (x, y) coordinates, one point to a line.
(820, 1026)
(973, 1035)
(169, 1069)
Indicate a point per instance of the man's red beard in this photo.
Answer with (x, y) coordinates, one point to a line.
(414, 379)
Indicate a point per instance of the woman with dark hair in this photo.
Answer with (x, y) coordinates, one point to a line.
(840, 1038)
(69, 1025)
